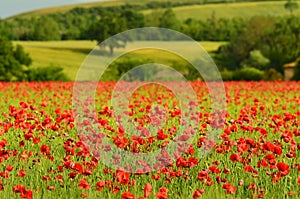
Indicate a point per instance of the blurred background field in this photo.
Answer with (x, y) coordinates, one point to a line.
(70, 54)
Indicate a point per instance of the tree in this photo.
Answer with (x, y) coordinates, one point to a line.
(106, 27)
(13, 61)
(133, 19)
(291, 6)
(46, 29)
(233, 54)
(277, 39)
(282, 43)
(169, 20)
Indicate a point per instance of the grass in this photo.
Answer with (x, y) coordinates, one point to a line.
(67, 8)
(230, 10)
(71, 54)
(85, 5)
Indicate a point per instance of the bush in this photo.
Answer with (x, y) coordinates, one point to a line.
(256, 60)
(227, 75)
(13, 61)
(248, 74)
(49, 73)
(125, 67)
(272, 75)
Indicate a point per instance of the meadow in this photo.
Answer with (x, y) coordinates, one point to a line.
(231, 10)
(44, 155)
(62, 140)
(70, 54)
(221, 10)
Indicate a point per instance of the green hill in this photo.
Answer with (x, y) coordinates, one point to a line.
(229, 10)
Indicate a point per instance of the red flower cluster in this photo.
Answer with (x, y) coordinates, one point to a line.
(255, 151)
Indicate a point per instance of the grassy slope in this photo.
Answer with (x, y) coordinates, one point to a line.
(244, 9)
(67, 8)
(230, 10)
(85, 5)
(71, 54)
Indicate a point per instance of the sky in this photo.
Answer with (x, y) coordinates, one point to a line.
(11, 7)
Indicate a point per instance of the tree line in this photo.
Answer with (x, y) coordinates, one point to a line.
(84, 24)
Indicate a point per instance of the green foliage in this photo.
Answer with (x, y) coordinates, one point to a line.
(169, 20)
(50, 73)
(291, 6)
(256, 60)
(21, 56)
(281, 44)
(277, 40)
(297, 71)
(46, 29)
(240, 46)
(112, 24)
(272, 75)
(187, 70)
(122, 68)
(13, 61)
(248, 74)
(227, 75)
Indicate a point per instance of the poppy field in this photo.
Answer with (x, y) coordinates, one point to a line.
(255, 155)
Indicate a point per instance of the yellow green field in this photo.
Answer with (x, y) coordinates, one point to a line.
(229, 10)
(71, 54)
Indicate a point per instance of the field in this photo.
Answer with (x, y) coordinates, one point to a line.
(49, 150)
(71, 54)
(227, 10)
(231, 10)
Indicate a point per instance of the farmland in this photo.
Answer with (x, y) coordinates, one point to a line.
(70, 54)
(226, 10)
(43, 154)
(231, 10)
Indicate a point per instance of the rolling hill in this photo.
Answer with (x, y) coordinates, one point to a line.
(229, 10)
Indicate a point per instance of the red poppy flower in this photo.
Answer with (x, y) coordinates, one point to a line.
(202, 175)
(127, 195)
(122, 177)
(51, 188)
(268, 146)
(100, 184)
(214, 169)
(18, 188)
(162, 194)
(78, 167)
(1, 185)
(147, 190)
(84, 184)
(282, 166)
(9, 168)
(26, 194)
(235, 157)
(21, 173)
(198, 193)
(161, 135)
(45, 150)
(230, 189)
(120, 141)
